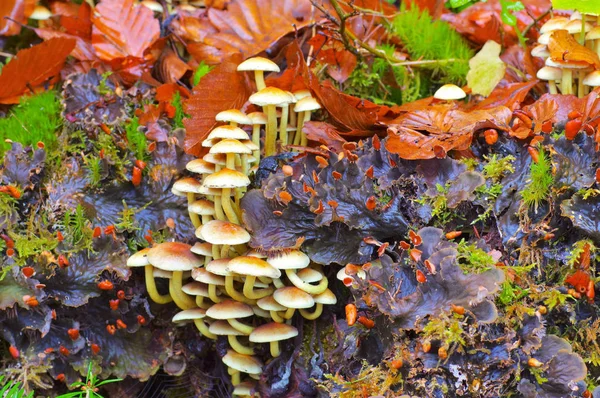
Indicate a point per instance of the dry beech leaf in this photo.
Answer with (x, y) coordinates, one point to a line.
(83, 51)
(223, 88)
(564, 48)
(32, 67)
(122, 29)
(486, 69)
(247, 27)
(17, 10)
(435, 131)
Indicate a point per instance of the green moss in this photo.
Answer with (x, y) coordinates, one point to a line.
(540, 181)
(201, 71)
(179, 113)
(136, 140)
(496, 168)
(439, 205)
(94, 167)
(35, 119)
(31, 243)
(426, 39)
(448, 330)
(77, 229)
(578, 249)
(473, 259)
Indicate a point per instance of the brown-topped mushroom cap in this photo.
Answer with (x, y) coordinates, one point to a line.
(219, 267)
(202, 207)
(258, 63)
(273, 332)
(230, 146)
(223, 328)
(202, 275)
(188, 184)
(139, 259)
(226, 178)
(227, 132)
(254, 266)
(233, 115)
(293, 259)
(292, 297)
(174, 256)
(270, 96)
(200, 166)
(189, 315)
(229, 309)
(269, 304)
(195, 289)
(243, 363)
(220, 232)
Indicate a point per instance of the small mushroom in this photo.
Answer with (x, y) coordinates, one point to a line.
(258, 119)
(304, 107)
(269, 98)
(259, 66)
(551, 75)
(198, 290)
(242, 363)
(229, 311)
(196, 315)
(327, 297)
(140, 259)
(226, 179)
(211, 280)
(292, 261)
(244, 389)
(269, 304)
(219, 267)
(449, 92)
(177, 258)
(190, 186)
(223, 233)
(223, 328)
(234, 117)
(251, 268)
(273, 333)
(283, 122)
(293, 298)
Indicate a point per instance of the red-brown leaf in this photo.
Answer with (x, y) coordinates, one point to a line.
(324, 133)
(83, 51)
(122, 29)
(223, 88)
(248, 27)
(32, 67)
(17, 10)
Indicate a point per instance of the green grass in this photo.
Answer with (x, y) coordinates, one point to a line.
(136, 140)
(12, 389)
(426, 39)
(540, 181)
(35, 119)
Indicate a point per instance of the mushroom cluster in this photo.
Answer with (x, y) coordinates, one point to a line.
(570, 48)
(220, 285)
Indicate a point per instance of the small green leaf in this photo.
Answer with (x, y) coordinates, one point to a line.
(486, 69)
(583, 6)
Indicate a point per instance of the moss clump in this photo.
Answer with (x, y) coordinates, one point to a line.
(540, 181)
(136, 140)
(35, 119)
(473, 259)
(424, 38)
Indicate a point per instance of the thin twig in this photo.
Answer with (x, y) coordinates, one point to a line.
(535, 21)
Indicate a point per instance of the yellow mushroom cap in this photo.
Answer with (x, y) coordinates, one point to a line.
(219, 267)
(307, 104)
(227, 132)
(226, 178)
(229, 309)
(310, 275)
(554, 24)
(243, 363)
(449, 92)
(139, 259)
(244, 388)
(258, 63)
(293, 259)
(203, 207)
(233, 115)
(270, 96)
(269, 304)
(195, 289)
(230, 146)
(188, 184)
(202, 275)
(200, 166)
(292, 297)
(258, 117)
(215, 158)
(220, 232)
(189, 315)
(327, 297)
(223, 328)
(253, 266)
(273, 332)
(174, 256)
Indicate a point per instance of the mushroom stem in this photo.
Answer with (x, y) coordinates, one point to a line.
(289, 313)
(245, 165)
(219, 215)
(239, 347)
(580, 86)
(234, 294)
(303, 139)
(259, 77)
(311, 316)
(239, 326)
(276, 317)
(307, 287)
(181, 299)
(236, 378)
(216, 252)
(191, 197)
(226, 203)
(151, 288)
(283, 135)
(256, 141)
(552, 86)
(224, 251)
(271, 132)
(275, 352)
(201, 326)
(298, 134)
(212, 293)
(252, 294)
(278, 283)
(200, 303)
(566, 84)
